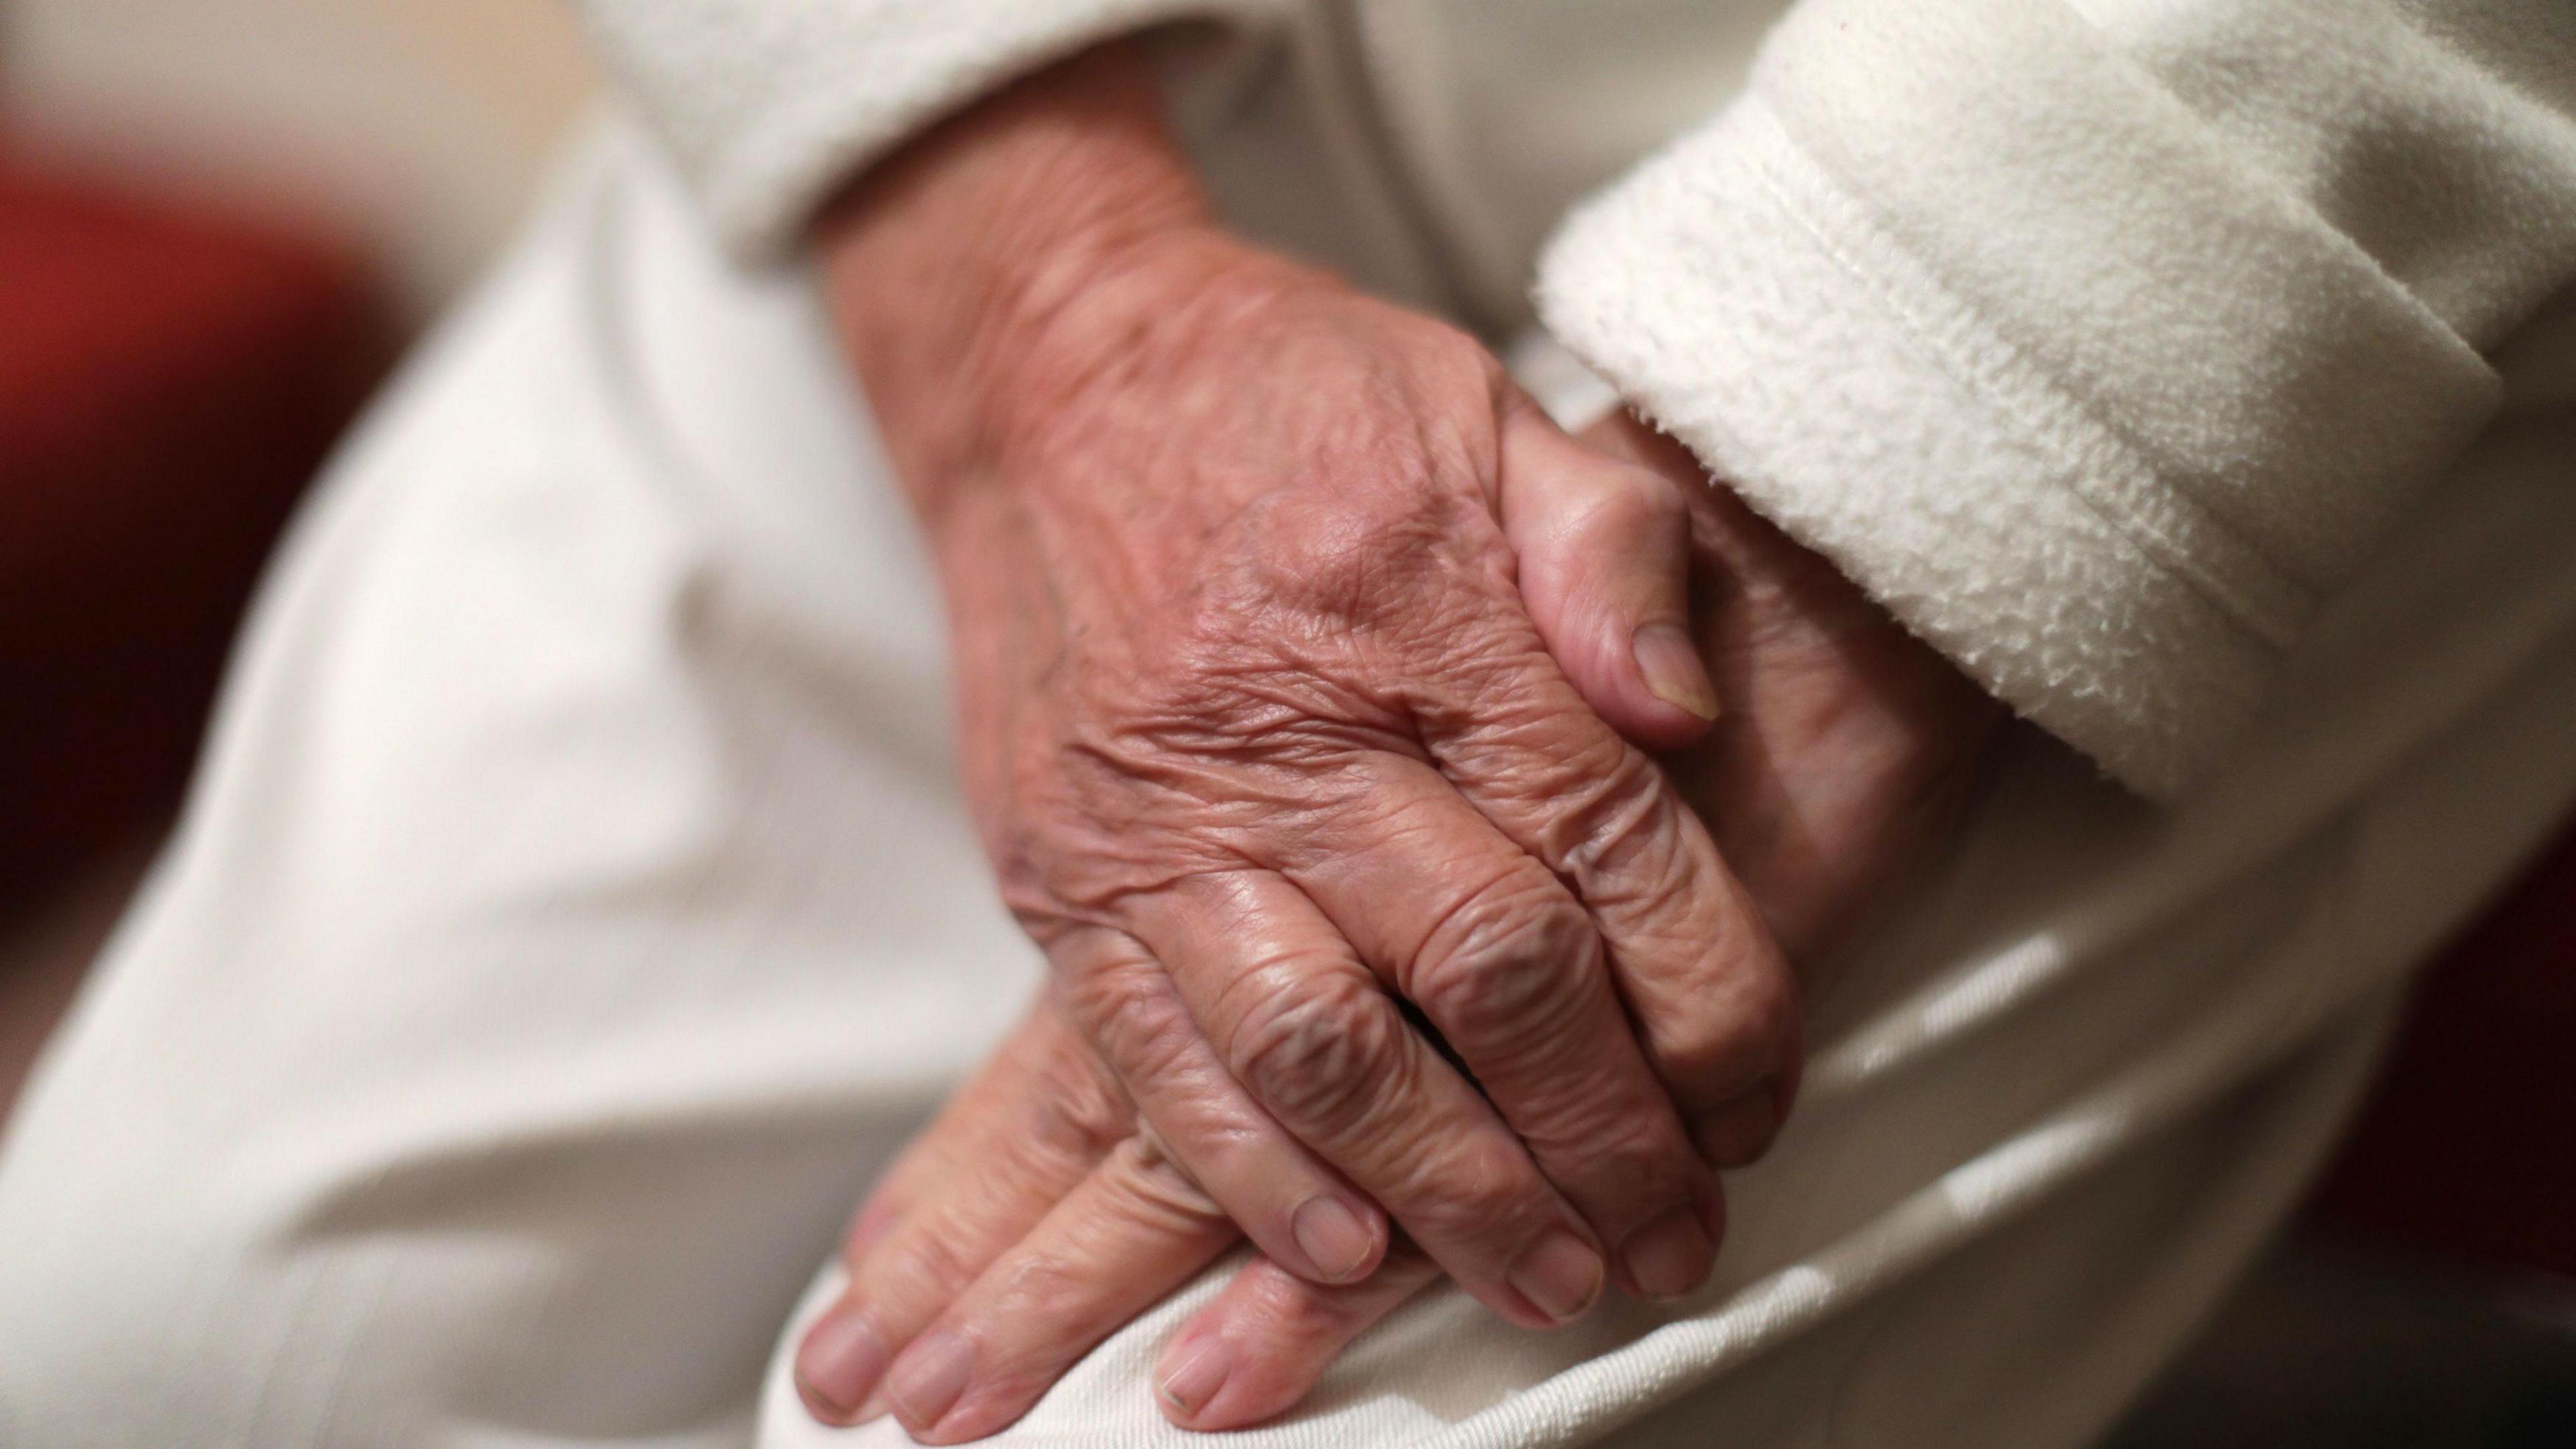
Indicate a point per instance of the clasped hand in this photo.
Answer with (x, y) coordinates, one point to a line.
(1308, 678)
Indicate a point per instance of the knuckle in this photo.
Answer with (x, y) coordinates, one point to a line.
(1652, 496)
(1616, 826)
(1364, 558)
(1458, 365)
(1510, 968)
(924, 1265)
(1035, 1287)
(1079, 1115)
(1287, 1312)
(1658, 501)
(1478, 1187)
(1319, 1050)
(1135, 1015)
(1625, 504)
(1152, 1185)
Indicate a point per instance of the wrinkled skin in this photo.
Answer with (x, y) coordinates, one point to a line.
(1283, 696)
(1241, 803)
(1846, 745)
(1033, 1219)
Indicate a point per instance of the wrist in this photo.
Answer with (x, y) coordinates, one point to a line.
(954, 270)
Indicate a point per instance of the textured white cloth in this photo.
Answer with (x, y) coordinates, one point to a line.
(2099, 339)
(574, 911)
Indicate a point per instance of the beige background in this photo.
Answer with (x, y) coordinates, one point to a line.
(421, 125)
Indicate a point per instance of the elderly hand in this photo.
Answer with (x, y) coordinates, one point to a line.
(1032, 1220)
(1261, 737)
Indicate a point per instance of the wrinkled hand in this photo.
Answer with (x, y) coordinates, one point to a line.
(1845, 744)
(1031, 1221)
(1262, 739)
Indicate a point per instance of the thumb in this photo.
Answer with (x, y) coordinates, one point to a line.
(1604, 549)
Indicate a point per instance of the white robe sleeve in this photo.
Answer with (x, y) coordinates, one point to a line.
(770, 104)
(2098, 339)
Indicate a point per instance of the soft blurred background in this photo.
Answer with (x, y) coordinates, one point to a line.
(222, 220)
(413, 129)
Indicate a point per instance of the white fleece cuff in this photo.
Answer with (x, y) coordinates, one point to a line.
(2000, 304)
(770, 104)
(1748, 306)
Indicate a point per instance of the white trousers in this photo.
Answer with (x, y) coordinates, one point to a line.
(574, 911)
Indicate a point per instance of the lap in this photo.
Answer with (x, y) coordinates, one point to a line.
(2032, 1331)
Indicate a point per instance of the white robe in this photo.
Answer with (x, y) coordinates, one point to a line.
(574, 911)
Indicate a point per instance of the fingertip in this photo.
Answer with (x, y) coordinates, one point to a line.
(1669, 668)
(1646, 681)
(838, 1363)
(820, 1408)
(1262, 1345)
(1670, 1257)
(1192, 1374)
(1204, 1382)
(1249, 1397)
(1342, 1243)
(927, 1382)
(1561, 1275)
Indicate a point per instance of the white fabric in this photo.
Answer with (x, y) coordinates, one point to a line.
(771, 104)
(574, 911)
(2100, 339)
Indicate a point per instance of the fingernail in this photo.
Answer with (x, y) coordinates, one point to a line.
(1333, 1238)
(1191, 1382)
(1560, 1273)
(1669, 1256)
(840, 1360)
(1741, 1131)
(1673, 671)
(930, 1377)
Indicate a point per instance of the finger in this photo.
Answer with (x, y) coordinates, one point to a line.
(1713, 1000)
(1314, 1036)
(1257, 1349)
(1604, 555)
(1033, 1123)
(1508, 965)
(1130, 1233)
(975, 1121)
(877, 1216)
(1293, 1207)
